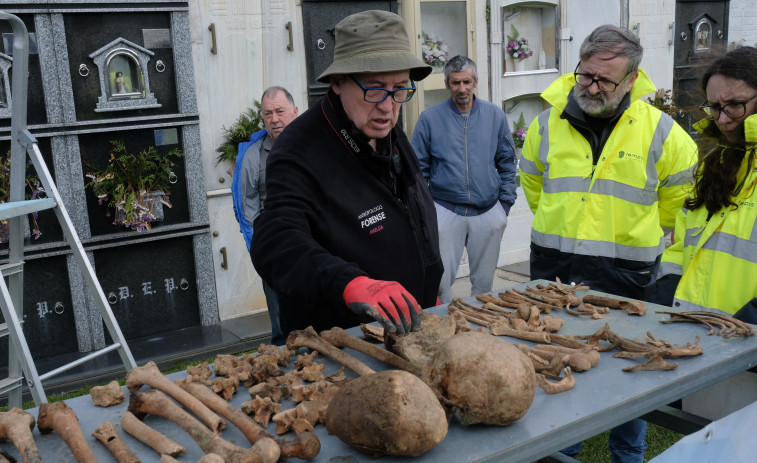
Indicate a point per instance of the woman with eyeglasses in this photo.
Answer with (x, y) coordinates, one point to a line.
(714, 258)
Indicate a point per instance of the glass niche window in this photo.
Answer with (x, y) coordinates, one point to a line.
(530, 37)
(703, 36)
(124, 76)
(444, 32)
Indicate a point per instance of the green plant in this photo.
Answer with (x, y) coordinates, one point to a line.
(32, 190)
(664, 102)
(248, 123)
(129, 183)
(519, 131)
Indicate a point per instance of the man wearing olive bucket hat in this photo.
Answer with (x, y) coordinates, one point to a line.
(349, 231)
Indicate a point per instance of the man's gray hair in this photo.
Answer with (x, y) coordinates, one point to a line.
(617, 40)
(460, 63)
(271, 91)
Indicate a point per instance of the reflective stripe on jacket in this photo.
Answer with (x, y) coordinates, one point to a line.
(718, 258)
(621, 207)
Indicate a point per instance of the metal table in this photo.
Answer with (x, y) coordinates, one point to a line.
(604, 397)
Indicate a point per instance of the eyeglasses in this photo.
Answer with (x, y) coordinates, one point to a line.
(378, 94)
(735, 110)
(606, 85)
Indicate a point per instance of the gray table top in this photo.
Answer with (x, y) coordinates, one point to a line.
(604, 397)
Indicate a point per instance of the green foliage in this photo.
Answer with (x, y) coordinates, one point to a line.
(664, 102)
(248, 123)
(128, 182)
(519, 131)
(32, 190)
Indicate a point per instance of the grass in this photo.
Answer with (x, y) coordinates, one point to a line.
(597, 450)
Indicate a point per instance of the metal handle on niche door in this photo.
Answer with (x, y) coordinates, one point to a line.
(290, 47)
(224, 262)
(320, 44)
(719, 34)
(213, 47)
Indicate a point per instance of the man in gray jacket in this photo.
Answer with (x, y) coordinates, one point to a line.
(278, 110)
(466, 154)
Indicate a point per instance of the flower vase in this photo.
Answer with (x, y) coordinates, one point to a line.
(437, 68)
(520, 65)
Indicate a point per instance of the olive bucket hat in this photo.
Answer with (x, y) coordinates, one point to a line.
(373, 41)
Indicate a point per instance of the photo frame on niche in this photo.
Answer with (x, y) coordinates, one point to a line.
(124, 77)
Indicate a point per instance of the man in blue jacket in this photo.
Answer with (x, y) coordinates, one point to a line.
(466, 154)
(248, 184)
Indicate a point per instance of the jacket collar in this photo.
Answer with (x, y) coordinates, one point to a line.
(473, 108)
(557, 93)
(750, 127)
(346, 129)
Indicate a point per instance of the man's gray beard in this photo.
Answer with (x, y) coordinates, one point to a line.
(589, 104)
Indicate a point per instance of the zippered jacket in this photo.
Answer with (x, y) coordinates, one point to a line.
(621, 207)
(335, 209)
(467, 161)
(246, 209)
(717, 258)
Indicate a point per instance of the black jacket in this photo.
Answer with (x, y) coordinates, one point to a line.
(336, 209)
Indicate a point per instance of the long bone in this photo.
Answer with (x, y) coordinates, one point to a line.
(16, 425)
(310, 339)
(153, 401)
(340, 338)
(149, 436)
(106, 433)
(60, 418)
(305, 446)
(150, 375)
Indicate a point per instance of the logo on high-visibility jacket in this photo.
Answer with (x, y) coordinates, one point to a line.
(635, 157)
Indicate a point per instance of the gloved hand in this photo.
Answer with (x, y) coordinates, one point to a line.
(386, 302)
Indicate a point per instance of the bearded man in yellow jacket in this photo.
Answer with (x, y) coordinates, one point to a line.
(604, 174)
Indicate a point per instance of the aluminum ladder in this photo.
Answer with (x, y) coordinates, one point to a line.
(20, 362)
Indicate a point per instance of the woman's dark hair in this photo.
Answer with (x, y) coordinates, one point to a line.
(717, 182)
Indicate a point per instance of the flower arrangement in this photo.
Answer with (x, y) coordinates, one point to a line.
(435, 50)
(33, 190)
(248, 123)
(517, 46)
(519, 131)
(130, 183)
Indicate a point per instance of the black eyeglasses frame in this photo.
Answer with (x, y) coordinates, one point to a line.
(599, 82)
(708, 108)
(410, 91)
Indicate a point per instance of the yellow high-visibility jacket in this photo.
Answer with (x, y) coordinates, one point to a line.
(623, 206)
(717, 258)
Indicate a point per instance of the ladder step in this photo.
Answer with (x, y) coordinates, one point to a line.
(11, 268)
(10, 383)
(4, 328)
(19, 208)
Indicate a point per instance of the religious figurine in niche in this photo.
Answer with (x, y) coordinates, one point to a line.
(121, 86)
(703, 36)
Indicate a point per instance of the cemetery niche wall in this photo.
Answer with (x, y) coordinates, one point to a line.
(101, 72)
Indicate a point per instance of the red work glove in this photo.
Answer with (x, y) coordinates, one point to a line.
(386, 302)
